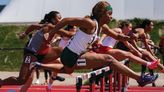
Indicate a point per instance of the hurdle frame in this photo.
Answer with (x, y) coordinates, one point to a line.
(119, 84)
(91, 76)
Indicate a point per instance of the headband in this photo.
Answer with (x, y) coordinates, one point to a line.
(109, 8)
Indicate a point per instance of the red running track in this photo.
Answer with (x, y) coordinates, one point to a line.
(44, 89)
(73, 89)
(145, 89)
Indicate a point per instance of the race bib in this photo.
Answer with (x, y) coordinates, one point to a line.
(27, 59)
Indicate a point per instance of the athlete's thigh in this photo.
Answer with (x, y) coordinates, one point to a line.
(57, 61)
(24, 71)
(53, 54)
(118, 54)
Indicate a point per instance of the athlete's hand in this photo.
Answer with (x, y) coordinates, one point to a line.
(133, 36)
(21, 35)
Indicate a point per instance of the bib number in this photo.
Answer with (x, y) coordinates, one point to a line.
(27, 59)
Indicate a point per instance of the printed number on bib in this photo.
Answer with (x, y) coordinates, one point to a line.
(27, 59)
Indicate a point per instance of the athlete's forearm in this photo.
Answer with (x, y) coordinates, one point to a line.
(32, 28)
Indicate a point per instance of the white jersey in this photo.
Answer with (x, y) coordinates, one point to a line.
(63, 42)
(109, 41)
(81, 41)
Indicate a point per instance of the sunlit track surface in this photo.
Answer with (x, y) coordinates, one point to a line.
(44, 89)
(145, 89)
(73, 89)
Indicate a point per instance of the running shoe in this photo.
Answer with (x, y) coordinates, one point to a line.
(59, 78)
(147, 79)
(153, 65)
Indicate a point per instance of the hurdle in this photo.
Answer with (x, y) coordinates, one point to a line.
(117, 81)
(120, 81)
(91, 76)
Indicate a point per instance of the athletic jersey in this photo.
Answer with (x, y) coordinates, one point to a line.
(36, 41)
(81, 41)
(38, 44)
(63, 42)
(109, 41)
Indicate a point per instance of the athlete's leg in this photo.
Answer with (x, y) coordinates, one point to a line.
(152, 58)
(37, 76)
(121, 55)
(46, 75)
(51, 61)
(53, 54)
(93, 60)
(54, 66)
(28, 83)
(16, 80)
(23, 73)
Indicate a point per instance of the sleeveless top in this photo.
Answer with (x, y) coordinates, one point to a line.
(109, 41)
(63, 42)
(38, 44)
(36, 41)
(81, 41)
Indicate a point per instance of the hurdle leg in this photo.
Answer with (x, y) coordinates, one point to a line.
(92, 82)
(110, 82)
(102, 81)
(78, 84)
(115, 81)
(119, 81)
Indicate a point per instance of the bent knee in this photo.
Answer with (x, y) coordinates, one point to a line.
(110, 58)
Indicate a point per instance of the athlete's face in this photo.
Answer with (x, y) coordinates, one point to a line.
(150, 27)
(128, 28)
(57, 18)
(107, 17)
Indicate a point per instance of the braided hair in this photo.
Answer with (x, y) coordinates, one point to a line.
(49, 17)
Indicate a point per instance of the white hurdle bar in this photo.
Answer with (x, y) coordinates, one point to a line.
(89, 75)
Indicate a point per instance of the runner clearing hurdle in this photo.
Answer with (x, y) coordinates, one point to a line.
(87, 34)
